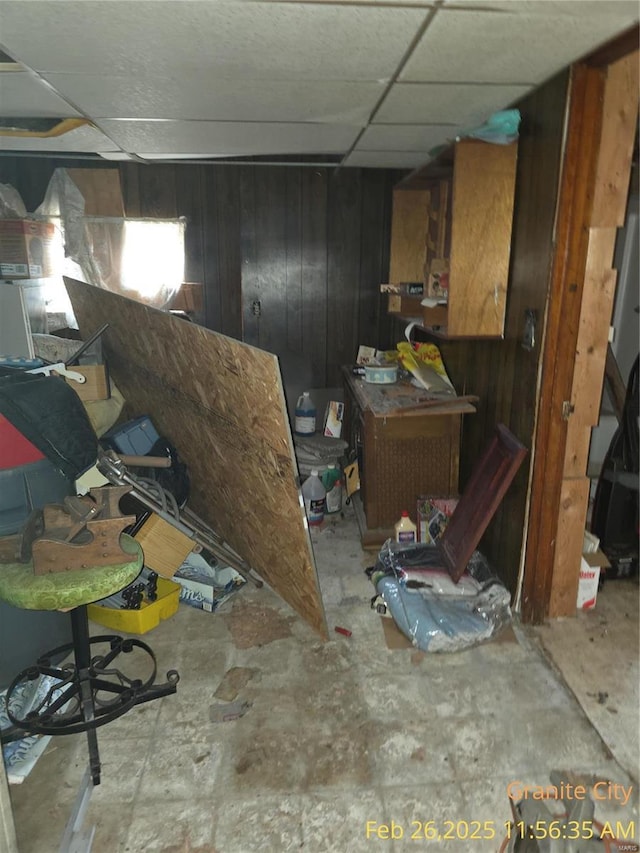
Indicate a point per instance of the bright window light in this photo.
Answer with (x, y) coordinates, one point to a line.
(152, 257)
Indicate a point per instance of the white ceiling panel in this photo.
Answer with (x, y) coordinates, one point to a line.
(242, 41)
(385, 159)
(623, 10)
(224, 100)
(463, 104)
(276, 77)
(24, 95)
(87, 139)
(508, 47)
(406, 137)
(228, 139)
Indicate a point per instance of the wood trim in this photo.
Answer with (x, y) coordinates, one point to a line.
(567, 278)
(616, 49)
(594, 185)
(564, 584)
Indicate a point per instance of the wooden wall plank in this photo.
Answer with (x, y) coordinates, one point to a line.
(271, 257)
(574, 498)
(227, 202)
(210, 251)
(293, 249)
(344, 212)
(616, 147)
(314, 259)
(221, 403)
(158, 191)
(371, 303)
(189, 203)
(593, 332)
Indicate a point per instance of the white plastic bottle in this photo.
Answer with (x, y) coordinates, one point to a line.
(405, 529)
(314, 494)
(305, 416)
(332, 481)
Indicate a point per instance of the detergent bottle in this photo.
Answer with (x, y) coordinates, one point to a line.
(305, 416)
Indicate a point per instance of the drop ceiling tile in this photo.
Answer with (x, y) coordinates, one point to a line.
(84, 139)
(385, 159)
(622, 9)
(508, 47)
(211, 40)
(462, 104)
(225, 139)
(25, 96)
(406, 137)
(228, 100)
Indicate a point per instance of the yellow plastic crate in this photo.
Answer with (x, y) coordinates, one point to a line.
(143, 620)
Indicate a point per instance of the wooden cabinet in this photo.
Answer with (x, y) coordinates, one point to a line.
(404, 451)
(457, 215)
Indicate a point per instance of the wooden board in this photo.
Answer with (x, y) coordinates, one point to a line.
(566, 571)
(593, 331)
(221, 403)
(100, 189)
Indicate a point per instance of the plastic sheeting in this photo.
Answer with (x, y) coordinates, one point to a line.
(433, 612)
(139, 258)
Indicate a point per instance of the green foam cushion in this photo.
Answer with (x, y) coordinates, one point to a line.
(65, 590)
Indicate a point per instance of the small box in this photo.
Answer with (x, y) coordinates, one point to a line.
(433, 516)
(135, 438)
(96, 387)
(26, 249)
(165, 547)
(206, 587)
(590, 567)
(333, 419)
(149, 616)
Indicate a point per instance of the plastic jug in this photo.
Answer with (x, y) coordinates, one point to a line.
(305, 416)
(314, 494)
(332, 481)
(405, 529)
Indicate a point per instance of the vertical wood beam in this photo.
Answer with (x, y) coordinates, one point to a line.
(592, 198)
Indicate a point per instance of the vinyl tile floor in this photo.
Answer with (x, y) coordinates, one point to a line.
(348, 745)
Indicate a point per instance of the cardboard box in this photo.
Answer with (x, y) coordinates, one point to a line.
(590, 567)
(26, 249)
(206, 587)
(433, 516)
(333, 419)
(165, 548)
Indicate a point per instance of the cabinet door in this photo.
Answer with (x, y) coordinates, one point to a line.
(483, 194)
(409, 236)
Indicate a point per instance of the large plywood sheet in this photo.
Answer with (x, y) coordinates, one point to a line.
(221, 403)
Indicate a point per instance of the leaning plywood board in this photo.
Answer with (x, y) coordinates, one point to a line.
(221, 403)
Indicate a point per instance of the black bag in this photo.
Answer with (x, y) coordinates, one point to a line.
(49, 413)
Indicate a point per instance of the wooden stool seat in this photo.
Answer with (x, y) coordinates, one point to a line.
(66, 590)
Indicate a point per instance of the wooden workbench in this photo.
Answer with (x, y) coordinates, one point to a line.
(407, 446)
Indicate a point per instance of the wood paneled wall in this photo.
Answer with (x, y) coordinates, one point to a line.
(310, 245)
